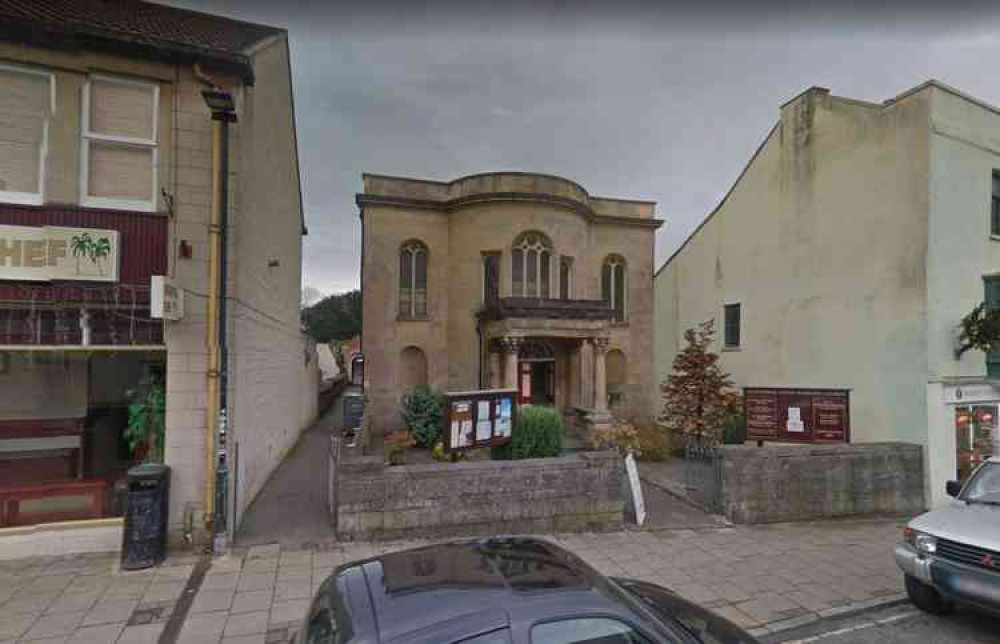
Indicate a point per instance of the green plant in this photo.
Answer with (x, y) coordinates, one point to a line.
(536, 434)
(423, 411)
(621, 437)
(93, 249)
(655, 443)
(980, 329)
(396, 444)
(146, 426)
(734, 430)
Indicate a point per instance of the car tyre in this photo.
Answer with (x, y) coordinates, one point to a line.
(926, 598)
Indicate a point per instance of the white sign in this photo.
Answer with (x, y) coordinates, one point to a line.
(46, 253)
(633, 480)
(795, 423)
(166, 299)
(970, 393)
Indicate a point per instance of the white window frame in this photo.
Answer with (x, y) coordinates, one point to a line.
(732, 347)
(34, 198)
(87, 136)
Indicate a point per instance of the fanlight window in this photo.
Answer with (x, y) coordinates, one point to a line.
(413, 280)
(613, 285)
(531, 259)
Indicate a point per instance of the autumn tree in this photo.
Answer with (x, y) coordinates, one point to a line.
(698, 396)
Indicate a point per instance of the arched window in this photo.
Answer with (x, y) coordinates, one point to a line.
(413, 280)
(613, 285)
(412, 369)
(530, 265)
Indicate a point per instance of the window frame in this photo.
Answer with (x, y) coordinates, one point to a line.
(726, 306)
(408, 247)
(994, 211)
(88, 137)
(32, 198)
(566, 260)
(483, 257)
(616, 261)
(542, 246)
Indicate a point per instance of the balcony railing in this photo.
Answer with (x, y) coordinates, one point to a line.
(544, 308)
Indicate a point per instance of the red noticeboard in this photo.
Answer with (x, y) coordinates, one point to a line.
(479, 418)
(797, 415)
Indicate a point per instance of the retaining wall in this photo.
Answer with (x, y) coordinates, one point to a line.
(581, 492)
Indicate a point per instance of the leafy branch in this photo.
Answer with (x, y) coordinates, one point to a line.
(979, 329)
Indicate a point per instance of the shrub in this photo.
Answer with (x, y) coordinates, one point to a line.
(423, 411)
(655, 443)
(621, 437)
(536, 434)
(734, 431)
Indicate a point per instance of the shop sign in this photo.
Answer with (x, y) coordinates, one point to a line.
(798, 415)
(166, 298)
(46, 253)
(972, 393)
(479, 418)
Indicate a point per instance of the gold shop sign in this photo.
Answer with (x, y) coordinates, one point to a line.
(46, 253)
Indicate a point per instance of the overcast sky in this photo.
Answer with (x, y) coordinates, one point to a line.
(663, 103)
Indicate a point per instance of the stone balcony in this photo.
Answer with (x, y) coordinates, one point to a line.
(544, 309)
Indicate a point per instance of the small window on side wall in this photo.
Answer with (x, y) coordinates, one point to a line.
(26, 107)
(413, 281)
(995, 206)
(731, 332)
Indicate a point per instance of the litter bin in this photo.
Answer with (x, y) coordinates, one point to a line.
(144, 540)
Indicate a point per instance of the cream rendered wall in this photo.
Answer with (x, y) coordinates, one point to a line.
(965, 150)
(822, 240)
(274, 376)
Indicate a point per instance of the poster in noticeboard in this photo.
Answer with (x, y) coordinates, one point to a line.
(797, 414)
(479, 418)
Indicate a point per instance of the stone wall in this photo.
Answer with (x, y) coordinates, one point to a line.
(575, 493)
(804, 482)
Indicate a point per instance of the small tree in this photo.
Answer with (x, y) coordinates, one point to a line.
(698, 397)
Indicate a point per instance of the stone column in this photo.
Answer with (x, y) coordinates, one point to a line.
(496, 370)
(573, 386)
(510, 348)
(600, 376)
(587, 375)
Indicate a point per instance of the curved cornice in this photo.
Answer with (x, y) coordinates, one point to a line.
(452, 205)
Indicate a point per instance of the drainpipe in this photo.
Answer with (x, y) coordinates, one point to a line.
(216, 474)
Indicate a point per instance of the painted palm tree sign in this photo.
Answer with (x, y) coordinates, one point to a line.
(84, 246)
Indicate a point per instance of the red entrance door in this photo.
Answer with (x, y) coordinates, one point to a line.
(536, 382)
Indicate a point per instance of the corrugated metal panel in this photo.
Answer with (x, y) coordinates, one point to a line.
(143, 237)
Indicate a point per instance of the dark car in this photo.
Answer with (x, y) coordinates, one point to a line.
(502, 590)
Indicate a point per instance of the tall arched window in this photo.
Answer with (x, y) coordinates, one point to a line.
(613, 285)
(530, 265)
(412, 369)
(413, 280)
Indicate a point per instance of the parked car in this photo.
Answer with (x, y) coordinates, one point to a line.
(953, 554)
(502, 590)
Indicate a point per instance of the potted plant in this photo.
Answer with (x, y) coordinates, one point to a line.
(146, 421)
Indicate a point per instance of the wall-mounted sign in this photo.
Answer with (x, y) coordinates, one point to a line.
(479, 418)
(46, 253)
(799, 415)
(166, 298)
(970, 393)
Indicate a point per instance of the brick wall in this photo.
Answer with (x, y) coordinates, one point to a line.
(798, 482)
(568, 494)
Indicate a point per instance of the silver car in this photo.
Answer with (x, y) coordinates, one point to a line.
(953, 554)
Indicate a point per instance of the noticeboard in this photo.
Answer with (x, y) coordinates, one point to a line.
(479, 418)
(797, 414)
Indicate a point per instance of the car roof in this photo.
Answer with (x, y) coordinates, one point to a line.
(477, 585)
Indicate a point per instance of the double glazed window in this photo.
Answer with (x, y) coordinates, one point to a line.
(413, 281)
(613, 285)
(531, 258)
(27, 103)
(118, 143)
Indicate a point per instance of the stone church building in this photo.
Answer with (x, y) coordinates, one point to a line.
(507, 279)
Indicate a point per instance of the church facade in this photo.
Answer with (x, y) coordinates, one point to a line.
(507, 280)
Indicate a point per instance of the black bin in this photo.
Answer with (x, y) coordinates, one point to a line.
(144, 540)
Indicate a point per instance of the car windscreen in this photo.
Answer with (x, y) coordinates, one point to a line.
(984, 486)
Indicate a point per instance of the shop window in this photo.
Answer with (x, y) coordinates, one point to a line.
(413, 281)
(613, 284)
(119, 143)
(531, 258)
(976, 437)
(26, 107)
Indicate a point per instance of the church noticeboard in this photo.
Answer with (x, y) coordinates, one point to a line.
(479, 418)
(797, 415)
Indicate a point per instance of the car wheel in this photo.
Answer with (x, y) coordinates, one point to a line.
(926, 598)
